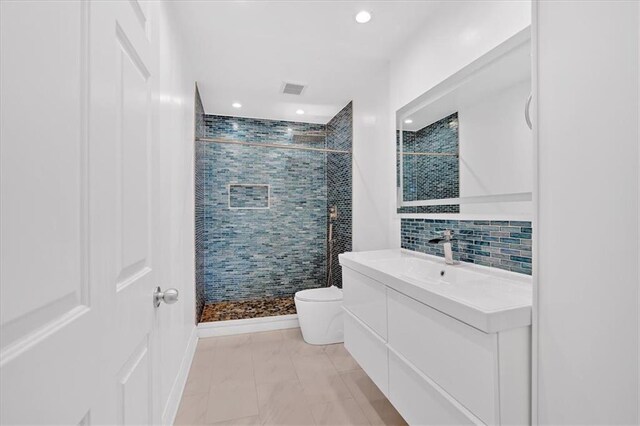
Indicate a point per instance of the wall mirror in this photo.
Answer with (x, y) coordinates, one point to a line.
(465, 146)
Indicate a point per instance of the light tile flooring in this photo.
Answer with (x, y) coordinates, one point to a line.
(275, 378)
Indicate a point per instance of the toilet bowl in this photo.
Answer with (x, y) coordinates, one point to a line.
(320, 315)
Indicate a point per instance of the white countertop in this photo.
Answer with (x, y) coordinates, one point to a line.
(488, 299)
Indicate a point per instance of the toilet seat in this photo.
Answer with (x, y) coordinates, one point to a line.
(325, 294)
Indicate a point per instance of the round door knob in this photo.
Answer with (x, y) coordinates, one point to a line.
(168, 296)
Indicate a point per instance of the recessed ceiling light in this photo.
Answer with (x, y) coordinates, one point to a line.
(300, 112)
(408, 121)
(363, 17)
(236, 105)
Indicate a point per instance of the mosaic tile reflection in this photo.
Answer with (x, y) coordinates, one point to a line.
(233, 310)
(427, 177)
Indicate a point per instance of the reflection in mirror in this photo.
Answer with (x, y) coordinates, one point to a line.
(430, 165)
(464, 146)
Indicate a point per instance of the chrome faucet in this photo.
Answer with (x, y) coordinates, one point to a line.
(445, 240)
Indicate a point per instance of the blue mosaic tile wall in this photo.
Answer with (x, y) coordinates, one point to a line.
(259, 130)
(248, 196)
(199, 210)
(255, 254)
(499, 244)
(339, 184)
(431, 177)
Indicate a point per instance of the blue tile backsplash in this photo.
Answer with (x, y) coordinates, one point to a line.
(495, 243)
(259, 253)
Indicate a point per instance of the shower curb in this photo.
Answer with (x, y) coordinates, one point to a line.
(249, 325)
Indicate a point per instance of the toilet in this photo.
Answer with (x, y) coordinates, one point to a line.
(320, 315)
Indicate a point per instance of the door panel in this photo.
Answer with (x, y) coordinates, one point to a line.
(131, 188)
(46, 375)
(133, 388)
(43, 201)
(50, 378)
(134, 107)
(76, 305)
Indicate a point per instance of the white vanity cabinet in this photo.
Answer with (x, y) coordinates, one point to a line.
(433, 367)
(365, 321)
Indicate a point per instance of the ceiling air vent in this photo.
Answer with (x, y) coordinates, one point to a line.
(292, 89)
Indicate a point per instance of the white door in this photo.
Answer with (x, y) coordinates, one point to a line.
(77, 285)
(121, 74)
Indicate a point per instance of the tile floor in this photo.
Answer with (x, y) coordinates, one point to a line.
(275, 378)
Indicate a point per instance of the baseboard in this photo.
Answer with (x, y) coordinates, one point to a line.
(249, 325)
(175, 395)
(218, 328)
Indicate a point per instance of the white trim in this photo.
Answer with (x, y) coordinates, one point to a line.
(467, 216)
(535, 272)
(638, 209)
(175, 394)
(477, 199)
(249, 325)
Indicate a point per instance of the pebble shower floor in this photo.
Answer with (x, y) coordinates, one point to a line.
(233, 310)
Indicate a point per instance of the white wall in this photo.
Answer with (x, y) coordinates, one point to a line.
(457, 33)
(174, 132)
(587, 253)
(373, 166)
(496, 150)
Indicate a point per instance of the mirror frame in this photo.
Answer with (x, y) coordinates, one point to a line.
(442, 89)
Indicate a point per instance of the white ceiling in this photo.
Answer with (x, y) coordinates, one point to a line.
(243, 51)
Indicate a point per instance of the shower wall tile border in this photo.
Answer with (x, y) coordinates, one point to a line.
(257, 130)
(199, 207)
(494, 243)
(339, 185)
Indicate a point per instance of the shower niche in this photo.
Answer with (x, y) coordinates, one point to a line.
(264, 194)
(247, 196)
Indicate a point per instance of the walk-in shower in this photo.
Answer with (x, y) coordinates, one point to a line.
(267, 199)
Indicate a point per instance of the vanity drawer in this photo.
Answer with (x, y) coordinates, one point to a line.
(459, 358)
(366, 299)
(367, 349)
(418, 401)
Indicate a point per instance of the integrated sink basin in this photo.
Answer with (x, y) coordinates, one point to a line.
(488, 299)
